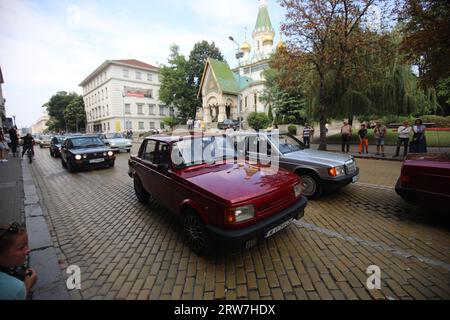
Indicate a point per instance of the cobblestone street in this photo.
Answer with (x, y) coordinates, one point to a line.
(127, 250)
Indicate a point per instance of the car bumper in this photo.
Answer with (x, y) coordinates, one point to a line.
(332, 184)
(421, 198)
(118, 148)
(250, 235)
(85, 164)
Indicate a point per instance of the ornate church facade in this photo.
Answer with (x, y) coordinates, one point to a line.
(220, 85)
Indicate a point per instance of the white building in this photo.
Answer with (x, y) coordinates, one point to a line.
(221, 85)
(123, 95)
(41, 124)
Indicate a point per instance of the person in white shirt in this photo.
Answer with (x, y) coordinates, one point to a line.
(403, 138)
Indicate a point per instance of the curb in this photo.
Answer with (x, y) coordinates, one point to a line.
(50, 283)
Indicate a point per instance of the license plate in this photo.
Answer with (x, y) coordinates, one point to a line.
(355, 178)
(97, 160)
(278, 228)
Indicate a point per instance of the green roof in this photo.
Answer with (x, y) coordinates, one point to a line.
(225, 77)
(263, 21)
(245, 81)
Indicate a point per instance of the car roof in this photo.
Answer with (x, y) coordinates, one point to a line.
(171, 139)
(82, 136)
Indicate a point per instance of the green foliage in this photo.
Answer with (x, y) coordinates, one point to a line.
(65, 108)
(258, 120)
(291, 119)
(181, 78)
(441, 122)
(75, 115)
(270, 114)
(292, 129)
(170, 121)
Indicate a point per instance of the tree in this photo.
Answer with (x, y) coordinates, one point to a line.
(170, 121)
(330, 37)
(56, 107)
(75, 115)
(181, 77)
(258, 120)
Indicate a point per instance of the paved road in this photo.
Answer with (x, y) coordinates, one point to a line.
(130, 251)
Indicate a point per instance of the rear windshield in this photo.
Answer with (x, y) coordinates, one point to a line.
(114, 136)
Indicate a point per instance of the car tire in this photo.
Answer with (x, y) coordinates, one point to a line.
(64, 165)
(111, 164)
(40, 146)
(312, 188)
(195, 233)
(142, 195)
(51, 153)
(128, 150)
(70, 167)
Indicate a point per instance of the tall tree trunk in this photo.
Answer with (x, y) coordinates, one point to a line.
(322, 117)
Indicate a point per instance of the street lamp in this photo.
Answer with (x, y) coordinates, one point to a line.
(239, 55)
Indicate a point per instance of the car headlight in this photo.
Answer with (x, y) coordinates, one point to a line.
(298, 190)
(112, 144)
(240, 214)
(336, 171)
(84, 156)
(110, 153)
(78, 157)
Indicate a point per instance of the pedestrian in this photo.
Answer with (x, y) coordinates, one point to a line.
(403, 138)
(418, 143)
(28, 143)
(229, 130)
(14, 140)
(307, 135)
(3, 148)
(363, 141)
(379, 133)
(16, 281)
(346, 134)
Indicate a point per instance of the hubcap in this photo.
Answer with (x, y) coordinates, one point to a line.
(309, 185)
(194, 232)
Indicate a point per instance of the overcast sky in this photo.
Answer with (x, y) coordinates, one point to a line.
(50, 46)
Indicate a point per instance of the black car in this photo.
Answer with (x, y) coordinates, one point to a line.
(55, 146)
(80, 152)
(234, 124)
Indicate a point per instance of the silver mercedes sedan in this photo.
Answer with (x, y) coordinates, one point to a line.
(319, 170)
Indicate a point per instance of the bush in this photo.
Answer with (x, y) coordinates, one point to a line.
(441, 122)
(258, 120)
(292, 129)
(291, 119)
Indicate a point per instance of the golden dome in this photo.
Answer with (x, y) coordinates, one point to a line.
(280, 45)
(246, 47)
(268, 39)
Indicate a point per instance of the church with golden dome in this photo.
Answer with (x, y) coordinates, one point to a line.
(221, 86)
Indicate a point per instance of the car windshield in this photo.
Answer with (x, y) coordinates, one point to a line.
(45, 137)
(84, 142)
(286, 143)
(113, 136)
(61, 139)
(192, 152)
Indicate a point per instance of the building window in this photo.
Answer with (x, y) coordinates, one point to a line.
(152, 125)
(245, 103)
(138, 75)
(103, 95)
(139, 109)
(125, 73)
(128, 125)
(162, 110)
(149, 77)
(109, 128)
(151, 109)
(104, 127)
(141, 125)
(256, 100)
(127, 109)
(103, 111)
(106, 93)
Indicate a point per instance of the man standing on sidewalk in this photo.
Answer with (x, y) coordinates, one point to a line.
(346, 134)
(307, 135)
(403, 138)
(379, 133)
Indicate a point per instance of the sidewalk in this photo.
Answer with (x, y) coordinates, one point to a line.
(389, 151)
(19, 201)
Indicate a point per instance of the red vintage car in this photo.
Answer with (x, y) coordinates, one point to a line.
(218, 198)
(425, 180)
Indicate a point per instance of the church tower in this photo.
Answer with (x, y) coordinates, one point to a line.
(263, 34)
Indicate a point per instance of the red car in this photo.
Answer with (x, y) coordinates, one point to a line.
(217, 198)
(425, 180)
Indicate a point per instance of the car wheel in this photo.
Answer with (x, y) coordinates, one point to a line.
(51, 153)
(128, 150)
(70, 166)
(195, 233)
(111, 164)
(311, 186)
(142, 195)
(40, 146)
(64, 165)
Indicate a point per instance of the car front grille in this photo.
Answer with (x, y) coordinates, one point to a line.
(350, 167)
(277, 205)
